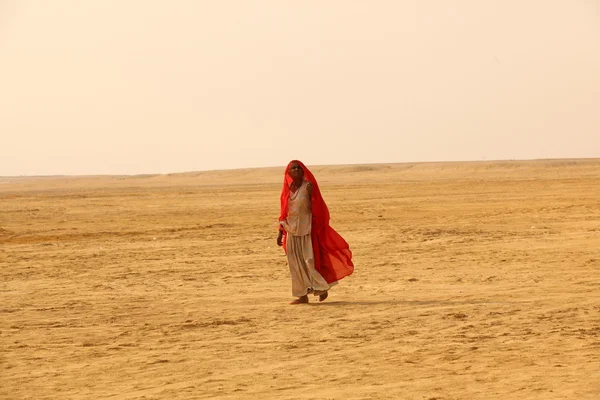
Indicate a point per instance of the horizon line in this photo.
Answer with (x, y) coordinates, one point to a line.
(312, 165)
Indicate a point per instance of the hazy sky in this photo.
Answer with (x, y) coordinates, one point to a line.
(149, 86)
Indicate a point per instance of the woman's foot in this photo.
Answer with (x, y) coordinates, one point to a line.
(301, 300)
(323, 296)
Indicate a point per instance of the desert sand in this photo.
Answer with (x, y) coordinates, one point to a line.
(473, 281)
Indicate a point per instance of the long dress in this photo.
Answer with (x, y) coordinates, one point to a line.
(299, 248)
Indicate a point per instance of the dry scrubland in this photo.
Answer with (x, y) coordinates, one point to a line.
(472, 281)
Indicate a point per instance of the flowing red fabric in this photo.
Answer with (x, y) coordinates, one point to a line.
(333, 258)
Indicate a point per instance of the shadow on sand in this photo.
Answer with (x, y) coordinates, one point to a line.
(422, 303)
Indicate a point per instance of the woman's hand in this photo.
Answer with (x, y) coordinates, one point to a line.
(280, 239)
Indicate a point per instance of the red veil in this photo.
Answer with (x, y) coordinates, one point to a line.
(333, 258)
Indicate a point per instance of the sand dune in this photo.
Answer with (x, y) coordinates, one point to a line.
(473, 281)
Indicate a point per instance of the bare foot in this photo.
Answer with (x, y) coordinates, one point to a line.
(301, 300)
(323, 296)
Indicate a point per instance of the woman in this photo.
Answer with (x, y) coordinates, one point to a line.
(317, 255)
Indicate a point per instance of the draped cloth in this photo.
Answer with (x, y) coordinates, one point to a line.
(332, 255)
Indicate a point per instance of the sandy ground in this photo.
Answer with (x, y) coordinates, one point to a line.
(472, 281)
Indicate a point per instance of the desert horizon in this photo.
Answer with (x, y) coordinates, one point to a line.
(367, 164)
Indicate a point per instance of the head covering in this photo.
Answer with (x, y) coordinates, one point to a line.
(333, 258)
(320, 211)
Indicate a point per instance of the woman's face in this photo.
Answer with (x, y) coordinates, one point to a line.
(296, 171)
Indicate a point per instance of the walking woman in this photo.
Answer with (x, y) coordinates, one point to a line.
(317, 255)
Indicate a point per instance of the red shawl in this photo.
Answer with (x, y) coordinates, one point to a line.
(333, 258)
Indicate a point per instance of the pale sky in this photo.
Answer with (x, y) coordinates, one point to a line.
(150, 86)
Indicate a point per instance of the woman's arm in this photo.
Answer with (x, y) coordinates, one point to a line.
(280, 235)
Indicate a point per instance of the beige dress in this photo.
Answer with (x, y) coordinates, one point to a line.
(298, 224)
